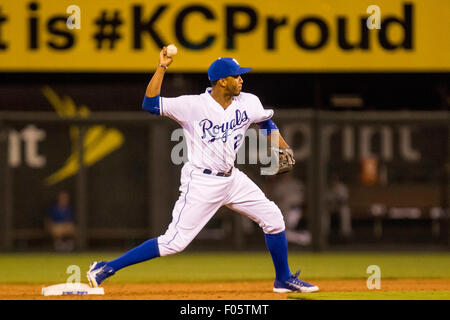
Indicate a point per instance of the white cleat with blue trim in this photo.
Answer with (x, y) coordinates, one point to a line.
(293, 284)
(98, 272)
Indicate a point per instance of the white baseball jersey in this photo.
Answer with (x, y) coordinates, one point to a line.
(213, 137)
(214, 134)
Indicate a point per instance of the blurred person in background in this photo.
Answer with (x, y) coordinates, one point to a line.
(60, 223)
(289, 193)
(337, 203)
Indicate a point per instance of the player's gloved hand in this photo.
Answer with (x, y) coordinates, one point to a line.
(282, 161)
(286, 160)
(164, 59)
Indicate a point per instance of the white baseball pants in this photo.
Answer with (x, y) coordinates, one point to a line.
(201, 195)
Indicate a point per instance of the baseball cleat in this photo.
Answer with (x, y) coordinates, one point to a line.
(293, 284)
(98, 272)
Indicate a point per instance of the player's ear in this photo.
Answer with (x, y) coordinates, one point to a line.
(222, 82)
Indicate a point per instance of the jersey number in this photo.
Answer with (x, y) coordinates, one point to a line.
(237, 140)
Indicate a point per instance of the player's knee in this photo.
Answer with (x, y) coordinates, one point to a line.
(275, 228)
(171, 248)
(167, 251)
(276, 224)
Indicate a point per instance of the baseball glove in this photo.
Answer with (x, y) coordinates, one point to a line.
(284, 161)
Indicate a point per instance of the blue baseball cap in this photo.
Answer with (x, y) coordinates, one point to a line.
(224, 67)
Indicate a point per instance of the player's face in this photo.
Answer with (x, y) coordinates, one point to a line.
(234, 84)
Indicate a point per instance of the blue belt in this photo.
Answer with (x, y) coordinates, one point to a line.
(219, 174)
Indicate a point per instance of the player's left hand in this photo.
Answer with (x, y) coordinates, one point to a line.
(289, 155)
(286, 160)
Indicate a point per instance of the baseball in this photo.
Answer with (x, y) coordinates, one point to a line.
(171, 50)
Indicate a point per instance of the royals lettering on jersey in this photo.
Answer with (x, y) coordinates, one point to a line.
(213, 134)
(222, 131)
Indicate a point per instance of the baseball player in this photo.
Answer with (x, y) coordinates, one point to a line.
(214, 125)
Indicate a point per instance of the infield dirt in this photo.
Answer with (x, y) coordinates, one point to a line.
(254, 290)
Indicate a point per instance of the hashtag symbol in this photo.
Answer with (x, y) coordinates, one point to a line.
(107, 29)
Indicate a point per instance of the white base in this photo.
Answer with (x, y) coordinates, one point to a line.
(63, 289)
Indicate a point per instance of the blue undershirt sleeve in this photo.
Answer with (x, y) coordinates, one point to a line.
(267, 127)
(151, 104)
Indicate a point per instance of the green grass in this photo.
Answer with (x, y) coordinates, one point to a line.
(374, 295)
(189, 267)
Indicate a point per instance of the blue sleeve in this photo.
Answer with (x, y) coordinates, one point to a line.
(151, 104)
(267, 126)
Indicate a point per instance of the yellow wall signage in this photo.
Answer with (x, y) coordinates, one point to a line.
(270, 36)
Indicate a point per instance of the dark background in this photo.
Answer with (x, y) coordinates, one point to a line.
(118, 189)
(125, 91)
